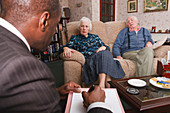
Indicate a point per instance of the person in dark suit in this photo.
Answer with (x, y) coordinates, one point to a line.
(26, 83)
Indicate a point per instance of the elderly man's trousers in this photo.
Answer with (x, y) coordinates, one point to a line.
(143, 60)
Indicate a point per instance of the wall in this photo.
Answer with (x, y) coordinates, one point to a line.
(159, 19)
(95, 10)
(78, 12)
(64, 3)
(88, 8)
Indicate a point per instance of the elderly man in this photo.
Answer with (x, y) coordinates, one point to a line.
(135, 43)
(27, 85)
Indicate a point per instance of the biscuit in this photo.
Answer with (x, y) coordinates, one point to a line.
(168, 81)
(166, 85)
(154, 79)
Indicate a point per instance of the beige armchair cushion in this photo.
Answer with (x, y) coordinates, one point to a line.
(161, 52)
(112, 30)
(98, 28)
(71, 29)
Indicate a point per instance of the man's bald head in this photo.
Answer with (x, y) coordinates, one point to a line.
(132, 22)
(21, 10)
(132, 18)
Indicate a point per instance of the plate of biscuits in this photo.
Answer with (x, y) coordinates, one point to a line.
(160, 82)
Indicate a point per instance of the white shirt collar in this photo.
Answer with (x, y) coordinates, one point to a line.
(12, 29)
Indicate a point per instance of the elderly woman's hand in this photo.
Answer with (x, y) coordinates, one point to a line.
(67, 52)
(101, 49)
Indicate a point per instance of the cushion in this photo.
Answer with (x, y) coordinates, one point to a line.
(72, 29)
(99, 30)
(161, 52)
(112, 30)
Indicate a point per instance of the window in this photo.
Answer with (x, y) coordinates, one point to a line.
(107, 10)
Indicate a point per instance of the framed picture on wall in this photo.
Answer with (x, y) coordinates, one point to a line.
(155, 5)
(132, 6)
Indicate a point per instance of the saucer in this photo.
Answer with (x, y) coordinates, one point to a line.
(137, 82)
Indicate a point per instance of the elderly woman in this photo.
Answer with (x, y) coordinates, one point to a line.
(135, 43)
(99, 61)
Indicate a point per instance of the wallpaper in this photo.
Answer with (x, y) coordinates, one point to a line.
(80, 8)
(84, 9)
(64, 3)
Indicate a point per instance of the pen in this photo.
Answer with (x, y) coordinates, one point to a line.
(91, 88)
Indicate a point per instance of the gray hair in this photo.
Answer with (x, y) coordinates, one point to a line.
(85, 19)
(134, 18)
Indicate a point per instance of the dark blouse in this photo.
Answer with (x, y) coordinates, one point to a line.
(86, 45)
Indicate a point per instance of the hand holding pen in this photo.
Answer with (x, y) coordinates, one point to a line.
(91, 88)
(94, 94)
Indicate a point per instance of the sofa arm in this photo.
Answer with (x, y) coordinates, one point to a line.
(162, 51)
(75, 56)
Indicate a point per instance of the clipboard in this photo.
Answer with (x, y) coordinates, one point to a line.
(75, 101)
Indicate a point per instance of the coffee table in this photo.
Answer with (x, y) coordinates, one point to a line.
(151, 99)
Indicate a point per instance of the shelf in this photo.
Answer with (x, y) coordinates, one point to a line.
(52, 52)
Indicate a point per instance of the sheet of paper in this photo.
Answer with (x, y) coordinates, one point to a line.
(77, 104)
(112, 99)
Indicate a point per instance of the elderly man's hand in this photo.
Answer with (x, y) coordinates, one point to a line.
(149, 44)
(66, 88)
(97, 95)
(119, 57)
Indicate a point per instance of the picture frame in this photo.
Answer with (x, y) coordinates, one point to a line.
(153, 29)
(132, 6)
(155, 5)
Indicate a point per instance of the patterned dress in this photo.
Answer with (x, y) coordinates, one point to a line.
(85, 45)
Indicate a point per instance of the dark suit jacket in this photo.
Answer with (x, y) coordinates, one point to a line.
(26, 83)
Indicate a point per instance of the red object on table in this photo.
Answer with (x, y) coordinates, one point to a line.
(166, 70)
(163, 70)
